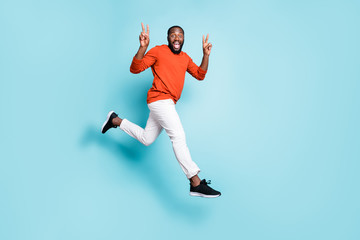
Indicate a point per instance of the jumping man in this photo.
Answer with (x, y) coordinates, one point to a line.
(169, 65)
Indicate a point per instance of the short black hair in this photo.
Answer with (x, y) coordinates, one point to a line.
(175, 27)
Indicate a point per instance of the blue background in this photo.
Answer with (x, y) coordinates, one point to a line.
(275, 124)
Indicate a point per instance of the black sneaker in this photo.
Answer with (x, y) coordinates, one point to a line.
(203, 190)
(108, 123)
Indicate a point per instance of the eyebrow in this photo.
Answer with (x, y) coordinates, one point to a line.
(175, 33)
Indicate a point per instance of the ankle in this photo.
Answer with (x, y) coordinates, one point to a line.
(194, 184)
(116, 121)
(195, 181)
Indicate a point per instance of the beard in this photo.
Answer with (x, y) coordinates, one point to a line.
(172, 48)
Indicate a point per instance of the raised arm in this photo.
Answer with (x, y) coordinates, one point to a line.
(144, 39)
(206, 50)
(142, 61)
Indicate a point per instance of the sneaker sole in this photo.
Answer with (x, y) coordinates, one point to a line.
(196, 194)
(107, 119)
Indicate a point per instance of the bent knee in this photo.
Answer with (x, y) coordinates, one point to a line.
(147, 142)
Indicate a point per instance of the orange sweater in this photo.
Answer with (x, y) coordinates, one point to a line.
(169, 72)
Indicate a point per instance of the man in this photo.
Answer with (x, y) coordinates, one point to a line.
(169, 65)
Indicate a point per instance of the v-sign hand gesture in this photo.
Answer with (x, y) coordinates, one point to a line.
(144, 36)
(206, 46)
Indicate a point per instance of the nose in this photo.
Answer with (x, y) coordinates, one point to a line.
(176, 37)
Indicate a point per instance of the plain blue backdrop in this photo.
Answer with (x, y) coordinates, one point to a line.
(275, 124)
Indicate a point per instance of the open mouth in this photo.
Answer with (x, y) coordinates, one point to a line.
(176, 45)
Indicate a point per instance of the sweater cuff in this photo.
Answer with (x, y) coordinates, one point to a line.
(137, 61)
(201, 71)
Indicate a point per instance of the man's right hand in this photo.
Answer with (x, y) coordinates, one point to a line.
(144, 36)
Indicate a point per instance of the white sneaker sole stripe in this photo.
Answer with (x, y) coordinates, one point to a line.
(107, 119)
(196, 194)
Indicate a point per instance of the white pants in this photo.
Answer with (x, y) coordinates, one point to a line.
(163, 115)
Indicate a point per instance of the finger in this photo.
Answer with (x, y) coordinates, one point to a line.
(207, 38)
(143, 28)
(147, 29)
(203, 40)
(206, 45)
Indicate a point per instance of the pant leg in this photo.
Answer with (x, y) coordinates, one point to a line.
(146, 136)
(165, 114)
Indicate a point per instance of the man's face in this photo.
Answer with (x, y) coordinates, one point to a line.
(176, 40)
